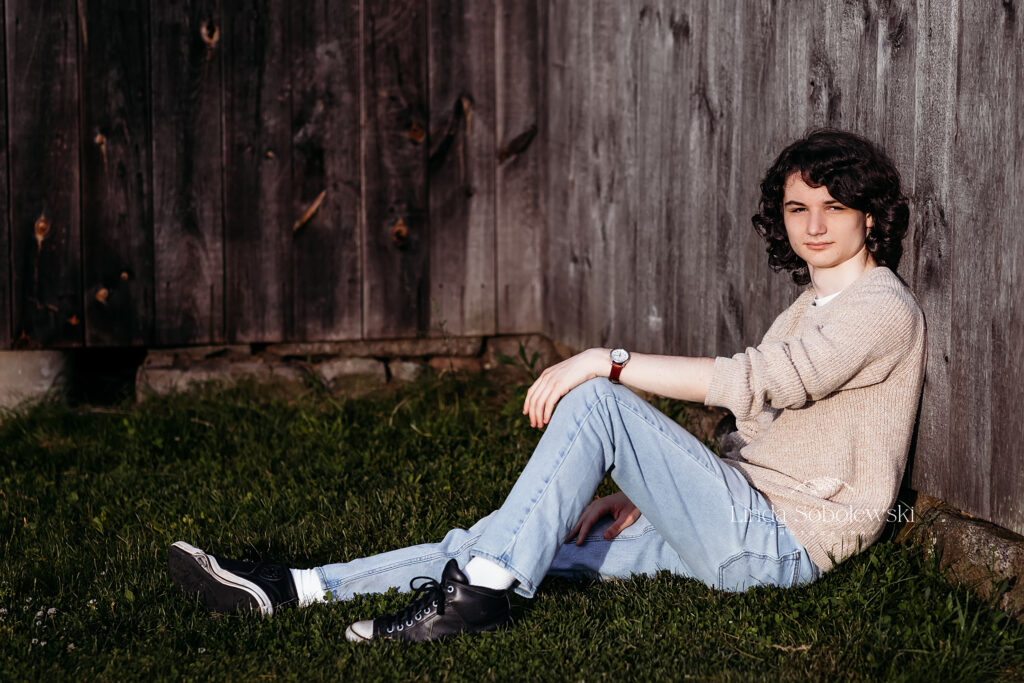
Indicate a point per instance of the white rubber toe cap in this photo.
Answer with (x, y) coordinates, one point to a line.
(359, 632)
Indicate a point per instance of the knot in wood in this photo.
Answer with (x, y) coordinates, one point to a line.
(42, 229)
(399, 232)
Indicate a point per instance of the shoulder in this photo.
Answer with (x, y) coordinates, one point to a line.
(881, 300)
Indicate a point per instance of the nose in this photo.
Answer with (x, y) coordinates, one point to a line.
(816, 223)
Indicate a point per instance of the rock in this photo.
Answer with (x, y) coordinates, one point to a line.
(975, 553)
(406, 370)
(28, 376)
(352, 375)
(181, 375)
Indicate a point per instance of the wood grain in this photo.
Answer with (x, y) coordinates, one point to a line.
(188, 227)
(325, 138)
(519, 185)
(117, 225)
(5, 225)
(43, 138)
(396, 242)
(461, 168)
(258, 209)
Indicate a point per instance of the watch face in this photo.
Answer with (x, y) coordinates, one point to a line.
(620, 355)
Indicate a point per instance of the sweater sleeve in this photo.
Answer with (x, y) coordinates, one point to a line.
(856, 346)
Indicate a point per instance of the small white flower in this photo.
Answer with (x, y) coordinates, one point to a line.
(202, 650)
(38, 624)
(35, 641)
(71, 646)
(39, 614)
(3, 610)
(43, 642)
(28, 599)
(51, 611)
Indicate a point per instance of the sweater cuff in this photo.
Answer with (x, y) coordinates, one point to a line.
(726, 389)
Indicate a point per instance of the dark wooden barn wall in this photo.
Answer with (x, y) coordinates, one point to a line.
(198, 171)
(664, 114)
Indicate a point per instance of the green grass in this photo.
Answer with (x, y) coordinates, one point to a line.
(90, 500)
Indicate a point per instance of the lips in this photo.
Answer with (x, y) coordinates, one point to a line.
(818, 245)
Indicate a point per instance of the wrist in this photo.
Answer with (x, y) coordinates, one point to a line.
(600, 365)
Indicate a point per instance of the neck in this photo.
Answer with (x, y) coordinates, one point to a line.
(831, 280)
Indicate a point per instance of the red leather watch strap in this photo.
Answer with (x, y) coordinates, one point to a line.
(616, 371)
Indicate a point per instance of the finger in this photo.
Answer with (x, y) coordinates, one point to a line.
(575, 530)
(585, 523)
(621, 522)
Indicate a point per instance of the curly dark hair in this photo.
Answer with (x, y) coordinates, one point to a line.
(856, 172)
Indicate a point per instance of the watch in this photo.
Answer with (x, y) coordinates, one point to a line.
(619, 359)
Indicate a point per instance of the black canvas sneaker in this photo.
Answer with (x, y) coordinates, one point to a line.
(230, 585)
(438, 610)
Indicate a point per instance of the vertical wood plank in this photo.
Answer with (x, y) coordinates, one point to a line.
(461, 168)
(521, 135)
(985, 309)
(188, 229)
(258, 212)
(692, 331)
(5, 225)
(326, 136)
(561, 292)
(117, 226)
(43, 96)
(613, 219)
(397, 240)
(1008, 313)
(662, 32)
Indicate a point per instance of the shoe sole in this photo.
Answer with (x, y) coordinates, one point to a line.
(193, 571)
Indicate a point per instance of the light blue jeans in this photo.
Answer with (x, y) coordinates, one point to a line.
(700, 519)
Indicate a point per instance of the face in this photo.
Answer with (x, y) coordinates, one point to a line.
(823, 232)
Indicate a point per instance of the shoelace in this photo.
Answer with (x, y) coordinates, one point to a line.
(427, 597)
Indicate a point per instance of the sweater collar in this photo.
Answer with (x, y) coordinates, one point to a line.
(867, 276)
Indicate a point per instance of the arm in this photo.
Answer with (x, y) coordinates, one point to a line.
(679, 377)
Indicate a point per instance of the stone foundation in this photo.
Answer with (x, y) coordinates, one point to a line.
(29, 376)
(349, 367)
(973, 552)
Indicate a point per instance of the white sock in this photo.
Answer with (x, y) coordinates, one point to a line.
(308, 586)
(483, 572)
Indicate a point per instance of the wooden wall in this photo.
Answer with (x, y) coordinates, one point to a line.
(201, 171)
(665, 113)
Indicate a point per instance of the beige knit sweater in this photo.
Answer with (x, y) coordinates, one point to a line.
(825, 409)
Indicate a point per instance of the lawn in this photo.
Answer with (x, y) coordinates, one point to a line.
(91, 497)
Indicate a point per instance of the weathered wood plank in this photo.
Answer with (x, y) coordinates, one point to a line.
(613, 215)
(396, 243)
(572, 163)
(43, 99)
(258, 212)
(979, 125)
(117, 226)
(1008, 313)
(561, 290)
(461, 168)
(987, 272)
(521, 136)
(326, 153)
(5, 225)
(692, 330)
(662, 31)
(188, 227)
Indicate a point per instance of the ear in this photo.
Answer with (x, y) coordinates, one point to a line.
(869, 221)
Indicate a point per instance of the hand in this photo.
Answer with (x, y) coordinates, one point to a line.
(558, 380)
(617, 505)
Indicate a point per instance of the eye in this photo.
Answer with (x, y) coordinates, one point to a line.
(796, 209)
